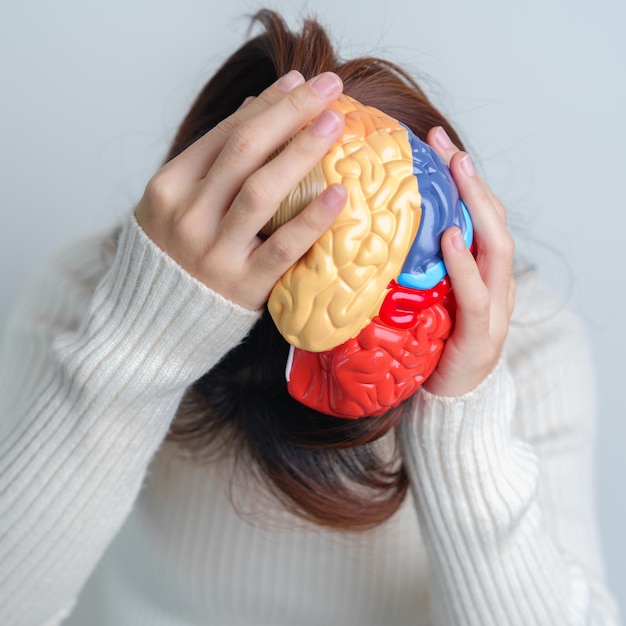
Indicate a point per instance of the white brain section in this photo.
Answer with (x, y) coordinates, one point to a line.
(337, 287)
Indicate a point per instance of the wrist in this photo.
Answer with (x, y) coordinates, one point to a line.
(444, 383)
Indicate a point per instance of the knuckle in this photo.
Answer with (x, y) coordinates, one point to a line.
(282, 250)
(303, 144)
(161, 190)
(183, 228)
(510, 245)
(295, 103)
(242, 142)
(499, 207)
(480, 304)
(467, 273)
(228, 126)
(505, 246)
(266, 98)
(311, 144)
(254, 192)
(481, 194)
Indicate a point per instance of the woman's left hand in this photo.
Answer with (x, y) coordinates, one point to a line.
(484, 287)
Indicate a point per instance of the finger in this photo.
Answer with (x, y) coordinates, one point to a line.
(285, 84)
(291, 241)
(252, 143)
(512, 293)
(194, 162)
(471, 294)
(265, 189)
(475, 345)
(439, 140)
(495, 244)
(246, 102)
(496, 202)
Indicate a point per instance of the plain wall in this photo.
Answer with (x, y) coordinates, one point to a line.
(92, 94)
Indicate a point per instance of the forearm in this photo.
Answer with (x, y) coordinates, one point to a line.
(476, 488)
(75, 448)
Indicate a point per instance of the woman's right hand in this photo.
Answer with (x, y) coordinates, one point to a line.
(205, 207)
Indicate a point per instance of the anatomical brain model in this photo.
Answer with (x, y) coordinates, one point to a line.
(368, 308)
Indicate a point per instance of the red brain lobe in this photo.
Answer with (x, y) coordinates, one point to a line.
(375, 371)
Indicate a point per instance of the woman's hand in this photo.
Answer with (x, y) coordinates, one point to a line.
(205, 207)
(484, 288)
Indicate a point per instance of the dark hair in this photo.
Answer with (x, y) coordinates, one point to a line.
(331, 471)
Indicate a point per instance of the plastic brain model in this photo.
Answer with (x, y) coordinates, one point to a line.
(368, 308)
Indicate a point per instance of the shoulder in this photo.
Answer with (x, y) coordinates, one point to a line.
(549, 357)
(544, 327)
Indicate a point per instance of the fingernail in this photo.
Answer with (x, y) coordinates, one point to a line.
(325, 84)
(335, 196)
(326, 124)
(457, 241)
(289, 81)
(467, 165)
(441, 137)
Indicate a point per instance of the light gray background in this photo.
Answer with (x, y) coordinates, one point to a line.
(92, 94)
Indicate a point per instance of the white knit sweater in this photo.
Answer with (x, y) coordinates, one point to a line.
(499, 528)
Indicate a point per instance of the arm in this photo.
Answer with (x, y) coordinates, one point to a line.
(502, 483)
(499, 453)
(90, 382)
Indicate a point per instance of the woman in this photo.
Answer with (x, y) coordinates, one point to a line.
(144, 404)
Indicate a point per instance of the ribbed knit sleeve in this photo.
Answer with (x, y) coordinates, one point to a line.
(502, 481)
(93, 366)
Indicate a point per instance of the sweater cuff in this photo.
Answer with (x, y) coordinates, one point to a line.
(155, 324)
(469, 473)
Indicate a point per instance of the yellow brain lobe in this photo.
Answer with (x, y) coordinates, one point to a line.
(338, 286)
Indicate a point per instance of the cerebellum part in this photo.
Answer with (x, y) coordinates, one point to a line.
(337, 287)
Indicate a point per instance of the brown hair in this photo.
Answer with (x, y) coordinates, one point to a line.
(331, 471)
